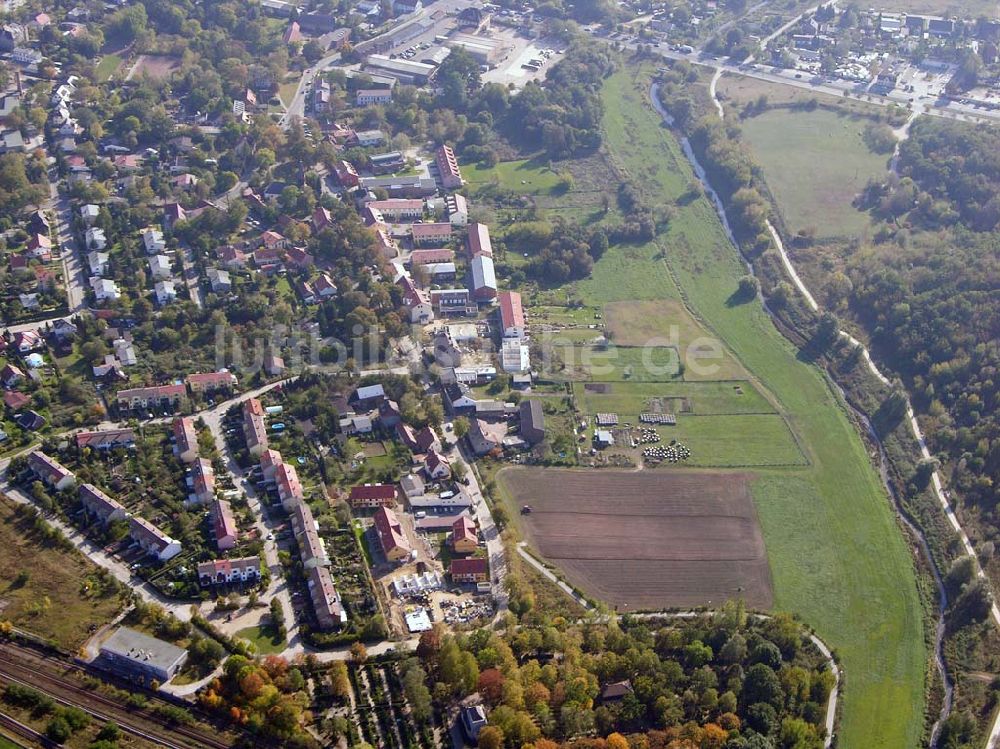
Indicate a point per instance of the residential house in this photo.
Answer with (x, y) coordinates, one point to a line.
(390, 535)
(165, 292)
(89, 213)
(368, 496)
(159, 397)
(153, 241)
(325, 287)
(515, 357)
(274, 365)
(26, 341)
(289, 487)
(227, 571)
(125, 352)
(210, 382)
(431, 256)
(299, 258)
(458, 398)
(452, 301)
(484, 280)
(486, 436)
(321, 219)
(464, 539)
(98, 262)
(456, 209)
(479, 240)
(159, 267)
(368, 397)
(106, 439)
(436, 466)
(220, 281)
(50, 471)
(224, 525)
(511, 315)
(40, 247)
(326, 602)
(346, 174)
(10, 376)
(416, 301)
(312, 550)
(100, 506)
(172, 213)
(95, 238)
(471, 570)
(430, 235)
(105, 290)
(254, 428)
(321, 96)
(389, 414)
(231, 257)
(447, 166)
(398, 209)
(532, 421)
(15, 401)
(201, 481)
(367, 97)
(152, 540)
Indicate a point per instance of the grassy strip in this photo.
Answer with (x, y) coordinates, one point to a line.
(837, 556)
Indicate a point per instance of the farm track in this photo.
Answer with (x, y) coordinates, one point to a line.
(48, 675)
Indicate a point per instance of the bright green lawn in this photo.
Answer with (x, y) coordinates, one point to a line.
(837, 556)
(815, 164)
(525, 176)
(735, 441)
(260, 636)
(107, 66)
(705, 398)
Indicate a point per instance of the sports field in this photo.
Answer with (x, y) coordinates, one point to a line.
(836, 554)
(646, 540)
(815, 162)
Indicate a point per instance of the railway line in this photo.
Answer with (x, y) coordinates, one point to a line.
(48, 675)
(11, 728)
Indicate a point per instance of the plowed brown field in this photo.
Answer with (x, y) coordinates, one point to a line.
(646, 540)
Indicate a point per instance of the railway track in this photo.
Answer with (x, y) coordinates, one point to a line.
(29, 669)
(18, 728)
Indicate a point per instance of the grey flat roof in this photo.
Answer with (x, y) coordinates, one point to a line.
(142, 649)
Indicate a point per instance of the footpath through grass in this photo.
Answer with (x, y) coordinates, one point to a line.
(837, 556)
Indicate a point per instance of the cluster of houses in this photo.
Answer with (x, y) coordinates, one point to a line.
(429, 488)
(284, 479)
(29, 265)
(103, 509)
(169, 398)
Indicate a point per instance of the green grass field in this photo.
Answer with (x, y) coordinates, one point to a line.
(261, 637)
(107, 66)
(703, 398)
(735, 441)
(815, 163)
(837, 556)
(525, 176)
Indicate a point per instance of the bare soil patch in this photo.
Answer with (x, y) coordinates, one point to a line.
(646, 540)
(156, 66)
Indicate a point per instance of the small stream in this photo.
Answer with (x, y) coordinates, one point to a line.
(720, 209)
